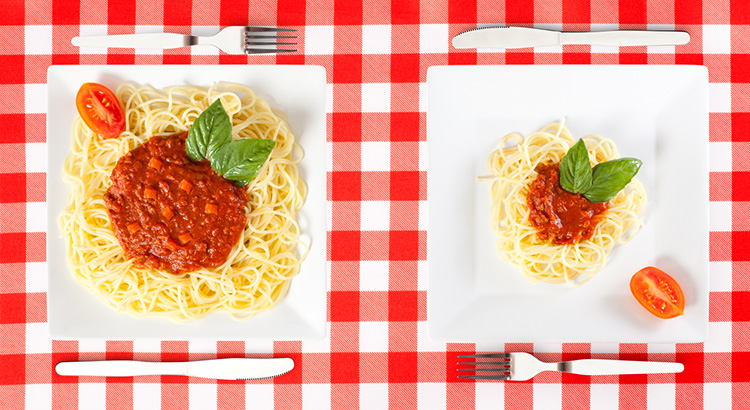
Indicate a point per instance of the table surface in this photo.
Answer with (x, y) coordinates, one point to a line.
(376, 353)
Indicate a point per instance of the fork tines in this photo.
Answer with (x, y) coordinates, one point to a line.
(258, 38)
(502, 366)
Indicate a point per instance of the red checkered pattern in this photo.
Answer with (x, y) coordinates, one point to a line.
(377, 353)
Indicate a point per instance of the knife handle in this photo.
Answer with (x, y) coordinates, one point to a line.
(626, 38)
(145, 40)
(119, 368)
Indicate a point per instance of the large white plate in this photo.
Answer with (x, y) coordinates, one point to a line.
(74, 313)
(656, 113)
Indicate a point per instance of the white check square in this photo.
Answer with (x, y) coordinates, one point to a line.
(376, 39)
(318, 40)
(38, 40)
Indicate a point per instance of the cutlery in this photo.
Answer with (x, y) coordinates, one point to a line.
(518, 37)
(231, 40)
(225, 369)
(523, 366)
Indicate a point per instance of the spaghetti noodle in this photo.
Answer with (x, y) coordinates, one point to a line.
(259, 269)
(514, 169)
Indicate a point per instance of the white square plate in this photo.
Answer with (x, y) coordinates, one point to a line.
(658, 114)
(299, 91)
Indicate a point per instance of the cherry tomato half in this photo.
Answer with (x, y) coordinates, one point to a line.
(658, 292)
(100, 110)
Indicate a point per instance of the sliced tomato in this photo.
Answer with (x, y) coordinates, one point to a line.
(658, 292)
(100, 110)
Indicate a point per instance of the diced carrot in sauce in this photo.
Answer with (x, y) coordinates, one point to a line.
(186, 185)
(134, 227)
(149, 193)
(170, 244)
(167, 213)
(185, 238)
(211, 208)
(155, 163)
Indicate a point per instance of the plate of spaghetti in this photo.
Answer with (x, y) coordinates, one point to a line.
(550, 186)
(203, 216)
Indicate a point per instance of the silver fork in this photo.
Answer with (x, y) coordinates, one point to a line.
(523, 366)
(231, 40)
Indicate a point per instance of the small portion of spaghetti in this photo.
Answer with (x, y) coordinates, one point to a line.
(259, 268)
(514, 169)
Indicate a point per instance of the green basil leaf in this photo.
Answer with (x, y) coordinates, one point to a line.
(611, 177)
(575, 169)
(241, 160)
(210, 131)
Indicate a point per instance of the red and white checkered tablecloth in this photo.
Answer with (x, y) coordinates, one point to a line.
(376, 354)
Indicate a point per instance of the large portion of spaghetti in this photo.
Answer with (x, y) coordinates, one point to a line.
(513, 169)
(259, 269)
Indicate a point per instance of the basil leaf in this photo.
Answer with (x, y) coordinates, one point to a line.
(211, 130)
(575, 169)
(241, 160)
(611, 177)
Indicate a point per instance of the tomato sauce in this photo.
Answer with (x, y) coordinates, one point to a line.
(170, 213)
(558, 215)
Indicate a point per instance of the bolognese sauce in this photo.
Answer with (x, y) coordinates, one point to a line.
(170, 213)
(558, 215)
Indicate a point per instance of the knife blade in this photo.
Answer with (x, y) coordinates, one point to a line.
(519, 37)
(224, 369)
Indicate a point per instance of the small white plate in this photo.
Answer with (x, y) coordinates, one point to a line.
(656, 113)
(299, 91)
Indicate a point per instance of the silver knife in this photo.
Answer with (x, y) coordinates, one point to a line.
(225, 369)
(518, 37)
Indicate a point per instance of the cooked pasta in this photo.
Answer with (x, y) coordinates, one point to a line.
(513, 169)
(260, 267)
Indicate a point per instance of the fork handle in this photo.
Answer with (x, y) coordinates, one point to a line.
(146, 40)
(598, 367)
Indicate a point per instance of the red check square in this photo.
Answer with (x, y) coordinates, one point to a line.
(740, 68)
(344, 306)
(405, 12)
(576, 58)
(693, 367)
(740, 369)
(405, 186)
(66, 13)
(403, 245)
(405, 126)
(688, 12)
(345, 245)
(403, 306)
(12, 369)
(634, 58)
(739, 12)
(741, 246)
(346, 186)
(347, 13)
(12, 69)
(740, 126)
(519, 58)
(689, 59)
(178, 12)
(347, 68)
(740, 306)
(12, 247)
(346, 126)
(741, 186)
(402, 367)
(344, 367)
(405, 68)
(123, 13)
(12, 308)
